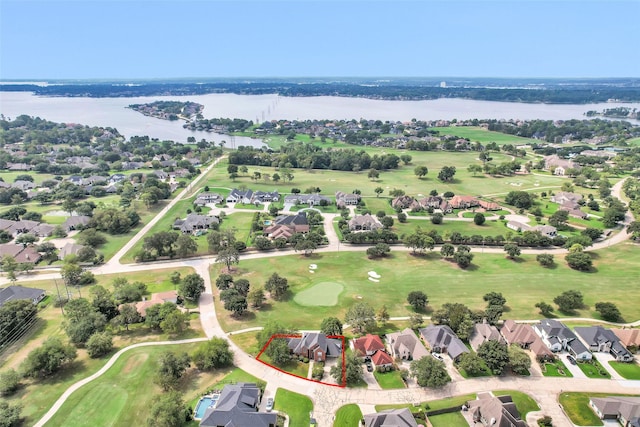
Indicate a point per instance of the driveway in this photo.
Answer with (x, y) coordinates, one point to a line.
(604, 359)
(372, 384)
(574, 369)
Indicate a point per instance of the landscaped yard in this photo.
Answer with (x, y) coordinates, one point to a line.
(593, 369)
(555, 369)
(348, 416)
(576, 406)
(297, 406)
(389, 380)
(294, 367)
(630, 371)
(433, 405)
(519, 282)
(453, 419)
(524, 402)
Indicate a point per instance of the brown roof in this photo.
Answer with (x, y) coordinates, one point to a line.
(10, 249)
(628, 336)
(524, 335)
(368, 344)
(381, 358)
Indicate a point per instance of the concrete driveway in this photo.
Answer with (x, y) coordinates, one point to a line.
(574, 369)
(372, 384)
(604, 359)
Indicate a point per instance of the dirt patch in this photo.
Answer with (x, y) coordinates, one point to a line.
(134, 362)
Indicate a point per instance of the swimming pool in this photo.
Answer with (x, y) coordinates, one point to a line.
(204, 403)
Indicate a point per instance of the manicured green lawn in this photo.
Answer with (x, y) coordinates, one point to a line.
(556, 369)
(593, 369)
(115, 398)
(524, 402)
(630, 371)
(433, 405)
(324, 293)
(348, 416)
(295, 405)
(576, 406)
(519, 282)
(389, 380)
(294, 367)
(453, 419)
(476, 133)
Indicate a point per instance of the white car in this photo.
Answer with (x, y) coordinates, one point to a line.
(269, 404)
(437, 356)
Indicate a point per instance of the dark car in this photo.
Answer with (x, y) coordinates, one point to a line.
(572, 360)
(369, 367)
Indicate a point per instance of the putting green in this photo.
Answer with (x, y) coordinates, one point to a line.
(323, 293)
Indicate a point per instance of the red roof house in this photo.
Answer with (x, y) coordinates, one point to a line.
(368, 344)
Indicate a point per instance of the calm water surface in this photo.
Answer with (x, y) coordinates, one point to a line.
(112, 112)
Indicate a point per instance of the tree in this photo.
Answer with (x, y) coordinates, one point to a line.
(353, 370)
(430, 372)
(437, 218)
(418, 242)
(512, 250)
(71, 272)
(185, 245)
(447, 173)
(256, 297)
(378, 191)
(213, 354)
(418, 300)
(361, 318)
(592, 233)
(471, 363)
(559, 219)
(545, 309)
(277, 286)
(10, 266)
(102, 301)
(519, 199)
(9, 382)
(242, 286)
(415, 320)
(474, 169)
(192, 287)
(378, 251)
(568, 301)
(421, 171)
(579, 260)
(224, 281)
(479, 219)
(278, 351)
(128, 316)
(373, 174)
(162, 242)
(447, 250)
(387, 222)
(406, 159)
(383, 315)
(175, 322)
(545, 260)
(26, 239)
(495, 354)
(609, 311)
(220, 239)
(99, 344)
(170, 369)
(228, 257)
(306, 245)
(463, 258)
(80, 327)
(169, 410)
(175, 277)
(519, 360)
(235, 303)
(457, 316)
(10, 414)
(331, 326)
(494, 298)
(47, 359)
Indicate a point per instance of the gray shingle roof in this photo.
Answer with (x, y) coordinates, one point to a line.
(238, 406)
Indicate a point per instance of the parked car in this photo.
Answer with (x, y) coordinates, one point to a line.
(269, 404)
(369, 367)
(437, 356)
(572, 360)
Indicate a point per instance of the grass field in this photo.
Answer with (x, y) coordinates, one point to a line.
(389, 380)
(523, 401)
(324, 293)
(593, 369)
(295, 405)
(556, 369)
(576, 406)
(454, 419)
(520, 283)
(348, 416)
(480, 134)
(630, 371)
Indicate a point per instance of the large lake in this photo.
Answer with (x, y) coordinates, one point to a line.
(112, 112)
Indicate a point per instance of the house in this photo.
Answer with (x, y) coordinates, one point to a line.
(545, 230)
(69, 249)
(265, 196)
(404, 202)
(16, 292)
(207, 198)
(558, 337)
(346, 199)
(483, 332)
(42, 230)
(495, 411)
(28, 254)
(195, 222)
(391, 418)
(442, 339)
(306, 199)
(238, 406)
(315, 346)
(157, 298)
(567, 199)
(240, 196)
(436, 202)
(367, 345)
(364, 222)
(630, 338)
(23, 185)
(624, 409)
(287, 225)
(464, 202)
(382, 360)
(77, 222)
(406, 345)
(22, 226)
(161, 175)
(116, 178)
(524, 335)
(558, 166)
(603, 340)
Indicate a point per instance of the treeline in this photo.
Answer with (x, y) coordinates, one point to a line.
(554, 131)
(300, 155)
(552, 95)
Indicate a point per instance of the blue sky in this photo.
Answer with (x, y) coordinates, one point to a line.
(172, 39)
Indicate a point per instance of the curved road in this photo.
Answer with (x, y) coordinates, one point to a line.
(328, 399)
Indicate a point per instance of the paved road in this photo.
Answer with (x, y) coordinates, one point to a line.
(328, 399)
